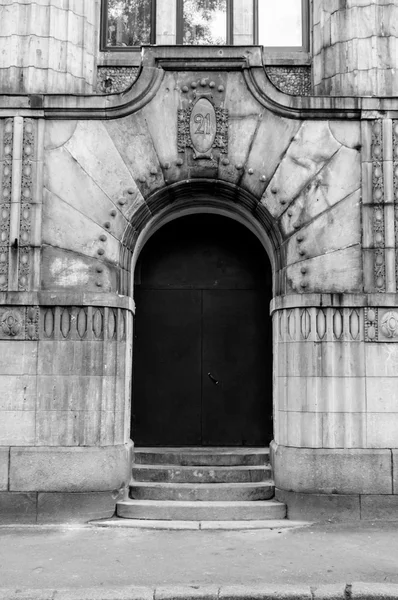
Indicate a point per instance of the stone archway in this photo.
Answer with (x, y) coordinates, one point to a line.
(226, 201)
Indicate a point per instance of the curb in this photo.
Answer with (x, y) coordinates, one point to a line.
(347, 591)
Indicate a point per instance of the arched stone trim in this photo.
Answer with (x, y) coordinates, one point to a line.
(201, 195)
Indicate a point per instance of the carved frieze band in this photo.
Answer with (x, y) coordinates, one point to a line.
(378, 207)
(319, 325)
(5, 202)
(395, 188)
(25, 254)
(331, 324)
(62, 323)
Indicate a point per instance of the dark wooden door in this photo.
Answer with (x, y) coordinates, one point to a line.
(202, 350)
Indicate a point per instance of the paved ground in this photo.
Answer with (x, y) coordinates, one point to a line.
(67, 557)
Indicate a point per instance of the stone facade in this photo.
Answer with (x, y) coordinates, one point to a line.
(85, 180)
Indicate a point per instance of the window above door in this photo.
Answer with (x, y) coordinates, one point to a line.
(128, 24)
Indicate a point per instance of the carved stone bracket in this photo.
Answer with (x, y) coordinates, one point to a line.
(19, 323)
(378, 207)
(381, 325)
(5, 202)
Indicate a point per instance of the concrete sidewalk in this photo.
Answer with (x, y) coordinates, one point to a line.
(100, 562)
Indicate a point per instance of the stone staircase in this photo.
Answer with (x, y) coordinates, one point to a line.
(201, 484)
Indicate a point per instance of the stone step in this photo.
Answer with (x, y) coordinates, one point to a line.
(202, 456)
(201, 511)
(202, 491)
(177, 474)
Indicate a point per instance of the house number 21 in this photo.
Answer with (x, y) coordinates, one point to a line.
(203, 123)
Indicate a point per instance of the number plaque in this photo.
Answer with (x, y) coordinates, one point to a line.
(202, 127)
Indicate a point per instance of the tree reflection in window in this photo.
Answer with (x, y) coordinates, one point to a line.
(205, 22)
(129, 22)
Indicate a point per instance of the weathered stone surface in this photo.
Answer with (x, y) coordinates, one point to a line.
(57, 133)
(74, 469)
(337, 228)
(17, 508)
(329, 359)
(324, 394)
(257, 592)
(379, 507)
(80, 186)
(320, 507)
(382, 430)
(66, 227)
(341, 471)
(325, 190)
(17, 393)
(133, 141)
(4, 460)
(272, 138)
(207, 592)
(18, 358)
(309, 150)
(17, 427)
(48, 48)
(74, 508)
(338, 271)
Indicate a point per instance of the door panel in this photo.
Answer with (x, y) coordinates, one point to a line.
(235, 338)
(167, 368)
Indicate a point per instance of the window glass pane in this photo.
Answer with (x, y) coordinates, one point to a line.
(280, 23)
(129, 22)
(205, 21)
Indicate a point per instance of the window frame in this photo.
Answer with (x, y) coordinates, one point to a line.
(305, 31)
(274, 51)
(104, 30)
(180, 23)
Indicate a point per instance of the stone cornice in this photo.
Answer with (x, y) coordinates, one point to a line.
(157, 60)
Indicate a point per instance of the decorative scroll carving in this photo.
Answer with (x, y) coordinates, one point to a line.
(378, 207)
(5, 202)
(26, 206)
(202, 124)
(19, 322)
(395, 187)
(82, 323)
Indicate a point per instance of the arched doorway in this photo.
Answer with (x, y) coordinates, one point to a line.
(202, 344)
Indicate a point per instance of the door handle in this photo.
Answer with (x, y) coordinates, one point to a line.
(214, 380)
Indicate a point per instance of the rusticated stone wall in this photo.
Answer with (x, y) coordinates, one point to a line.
(48, 46)
(354, 48)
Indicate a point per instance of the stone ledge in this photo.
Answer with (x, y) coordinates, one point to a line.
(332, 471)
(355, 591)
(70, 469)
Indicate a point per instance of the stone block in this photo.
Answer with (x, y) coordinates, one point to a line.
(322, 394)
(18, 358)
(17, 393)
(265, 592)
(335, 272)
(329, 592)
(300, 429)
(320, 507)
(4, 460)
(329, 359)
(382, 394)
(395, 470)
(382, 430)
(17, 508)
(186, 592)
(52, 469)
(344, 430)
(332, 471)
(381, 360)
(70, 392)
(68, 428)
(379, 507)
(373, 591)
(17, 428)
(74, 507)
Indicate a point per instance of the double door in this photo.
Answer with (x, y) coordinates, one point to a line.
(202, 343)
